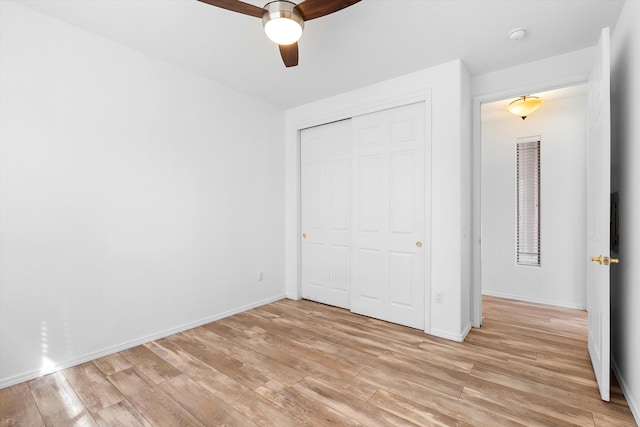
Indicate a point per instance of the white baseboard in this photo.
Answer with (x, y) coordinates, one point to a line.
(555, 303)
(453, 337)
(633, 401)
(466, 331)
(26, 376)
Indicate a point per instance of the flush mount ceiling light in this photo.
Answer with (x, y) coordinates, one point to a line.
(282, 24)
(283, 21)
(524, 106)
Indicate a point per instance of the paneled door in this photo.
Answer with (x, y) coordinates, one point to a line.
(598, 199)
(388, 215)
(325, 205)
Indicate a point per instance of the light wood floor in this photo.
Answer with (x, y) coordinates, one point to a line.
(296, 363)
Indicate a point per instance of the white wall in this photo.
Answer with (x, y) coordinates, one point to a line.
(555, 71)
(444, 83)
(136, 199)
(560, 280)
(625, 277)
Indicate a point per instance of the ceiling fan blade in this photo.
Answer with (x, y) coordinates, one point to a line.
(312, 9)
(237, 6)
(289, 54)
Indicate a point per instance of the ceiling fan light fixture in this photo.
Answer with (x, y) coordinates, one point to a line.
(524, 106)
(282, 23)
(283, 20)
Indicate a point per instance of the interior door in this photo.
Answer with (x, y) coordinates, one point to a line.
(598, 199)
(325, 183)
(388, 211)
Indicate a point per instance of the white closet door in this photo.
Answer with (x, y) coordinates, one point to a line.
(325, 186)
(388, 211)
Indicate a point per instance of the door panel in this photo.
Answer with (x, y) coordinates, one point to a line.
(402, 178)
(598, 199)
(339, 195)
(314, 264)
(368, 195)
(326, 214)
(339, 268)
(388, 280)
(369, 267)
(313, 205)
(400, 291)
(402, 130)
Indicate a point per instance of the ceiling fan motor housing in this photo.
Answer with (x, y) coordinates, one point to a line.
(281, 10)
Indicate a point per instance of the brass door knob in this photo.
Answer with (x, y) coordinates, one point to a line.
(419, 244)
(608, 260)
(604, 260)
(304, 235)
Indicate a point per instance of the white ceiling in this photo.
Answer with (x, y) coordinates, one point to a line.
(371, 41)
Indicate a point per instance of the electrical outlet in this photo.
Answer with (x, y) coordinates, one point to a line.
(260, 276)
(439, 297)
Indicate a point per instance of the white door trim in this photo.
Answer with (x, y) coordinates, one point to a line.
(476, 149)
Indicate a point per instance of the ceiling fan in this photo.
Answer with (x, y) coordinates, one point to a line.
(283, 21)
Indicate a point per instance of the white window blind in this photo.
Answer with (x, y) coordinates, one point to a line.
(528, 201)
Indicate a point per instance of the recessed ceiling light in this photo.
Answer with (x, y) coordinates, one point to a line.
(518, 33)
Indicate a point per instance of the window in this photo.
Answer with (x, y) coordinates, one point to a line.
(528, 201)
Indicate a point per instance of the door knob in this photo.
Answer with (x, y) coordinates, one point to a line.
(607, 260)
(304, 235)
(604, 260)
(419, 244)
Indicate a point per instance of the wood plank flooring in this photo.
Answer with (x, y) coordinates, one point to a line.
(299, 363)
